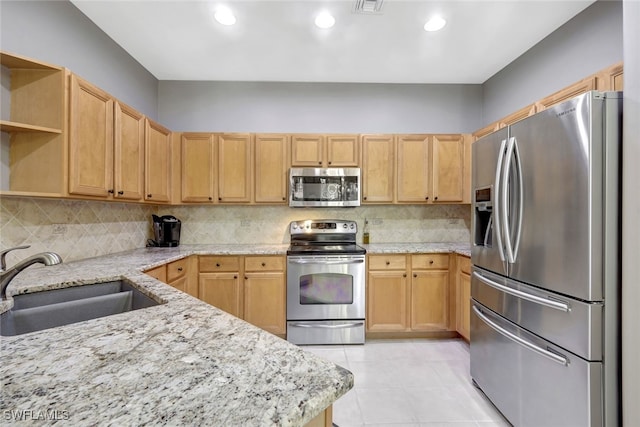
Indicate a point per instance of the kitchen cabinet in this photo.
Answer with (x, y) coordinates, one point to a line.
(158, 273)
(272, 159)
(431, 168)
(198, 167)
(265, 285)
(488, 129)
(234, 167)
(35, 136)
(387, 293)
(430, 293)
(157, 162)
(378, 168)
(90, 140)
(611, 78)
(409, 294)
(331, 150)
(181, 275)
(219, 283)
(106, 140)
(516, 116)
(463, 291)
(578, 88)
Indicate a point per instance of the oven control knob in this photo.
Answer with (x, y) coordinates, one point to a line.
(344, 225)
(353, 226)
(295, 226)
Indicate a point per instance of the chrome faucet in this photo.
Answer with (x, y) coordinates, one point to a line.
(46, 258)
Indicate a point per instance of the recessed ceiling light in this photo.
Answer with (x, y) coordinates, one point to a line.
(325, 20)
(225, 16)
(435, 23)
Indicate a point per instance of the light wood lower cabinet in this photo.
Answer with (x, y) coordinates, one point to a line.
(463, 290)
(181, 274)
(409, 293)
(265, 293)
(252, 288)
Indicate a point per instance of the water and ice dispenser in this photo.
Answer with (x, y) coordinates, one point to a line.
(483, 211)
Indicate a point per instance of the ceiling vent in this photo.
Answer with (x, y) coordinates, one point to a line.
(368, 6)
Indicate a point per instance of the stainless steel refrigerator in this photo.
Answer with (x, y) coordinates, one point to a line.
(545, 286)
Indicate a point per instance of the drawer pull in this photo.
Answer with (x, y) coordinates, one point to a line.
(430, 261)
(264, 264)
(387, 262)
(179, 268)
(217, 264)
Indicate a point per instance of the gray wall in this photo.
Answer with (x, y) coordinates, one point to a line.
(319, 107)
(631, 216)
(589, 42)
(58, 33)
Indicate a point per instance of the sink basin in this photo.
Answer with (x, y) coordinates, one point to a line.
(58, 307)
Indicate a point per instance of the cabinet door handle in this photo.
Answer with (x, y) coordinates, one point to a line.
(415, 275)
(435, 198)
(235, 277)
(320, 163)
(219, 199)
(329, 162)
(120, 192)
(210, 198)
(387, 262)
(365, 197)
(149, 196)
(111, 191)
(404, 275)
(426, 198)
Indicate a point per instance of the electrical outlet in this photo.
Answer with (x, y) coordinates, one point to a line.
(59, 229)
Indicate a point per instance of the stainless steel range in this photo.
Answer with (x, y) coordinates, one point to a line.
(325, 283)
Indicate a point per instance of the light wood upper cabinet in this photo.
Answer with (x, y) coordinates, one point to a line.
(37, 151)
(431, 168)
(90, 140)
(342, 151)
(578, 88)
(378, 168)
(448, 168)
(198, 167)
(234, 168)
(490, 128)
(331, 150)
(128, 165)
(414, 168)
(157, 162)
(307, 150)
(272, 159)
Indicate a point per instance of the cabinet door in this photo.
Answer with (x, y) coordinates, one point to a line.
(430, 300)
(413, 168)
(464, 305)
(448, 163)
(128, 162)
(198, 167)
(222, 290)
(264, 301)
(234, 168)
(386, 301)
(343, 151)
(157, 163)
(378, 168)
(271, 168)
(158, 273)
(578, 88)
(307, 150)
(90, 140)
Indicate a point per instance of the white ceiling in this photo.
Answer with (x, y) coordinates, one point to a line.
(277, 40)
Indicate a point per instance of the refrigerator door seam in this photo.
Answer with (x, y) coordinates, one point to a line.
(528, 345)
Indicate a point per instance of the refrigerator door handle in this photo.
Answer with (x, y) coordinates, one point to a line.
(504, 201)
(496, 212)
(519, 198)
(526, 344)
(523, 295)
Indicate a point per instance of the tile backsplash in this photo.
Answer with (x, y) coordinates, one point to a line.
(83, 229)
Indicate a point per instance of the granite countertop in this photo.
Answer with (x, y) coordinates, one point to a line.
(180, 362)
(183, 362)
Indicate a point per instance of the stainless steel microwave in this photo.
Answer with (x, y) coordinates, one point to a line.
(324, 187)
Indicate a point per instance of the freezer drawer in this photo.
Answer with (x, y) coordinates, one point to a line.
(574, 325)
(530, 380)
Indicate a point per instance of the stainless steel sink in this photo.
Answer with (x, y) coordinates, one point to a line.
(49, 309)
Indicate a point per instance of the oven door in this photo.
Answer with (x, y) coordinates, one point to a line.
(325, 287)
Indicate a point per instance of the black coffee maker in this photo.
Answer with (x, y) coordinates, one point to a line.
(166, 230)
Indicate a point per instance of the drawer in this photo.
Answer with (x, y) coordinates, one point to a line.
(464, 264)
(177, 269)
(387, 262)
(430, 261)
(212, 263)
(264, 263)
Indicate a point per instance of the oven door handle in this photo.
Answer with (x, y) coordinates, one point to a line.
(326, 326)
(325, 261)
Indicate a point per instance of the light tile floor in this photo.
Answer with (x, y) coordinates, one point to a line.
(418, 382)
